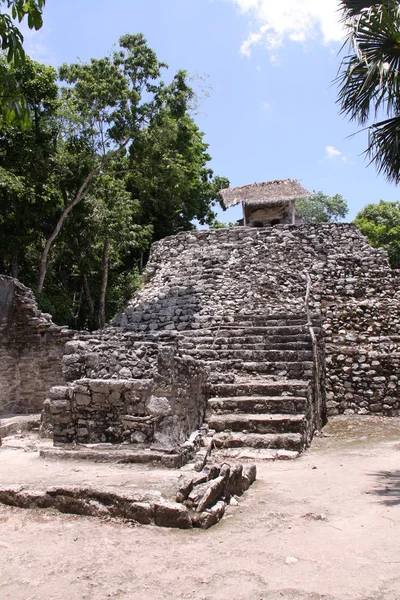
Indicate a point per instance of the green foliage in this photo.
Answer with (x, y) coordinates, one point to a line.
(321, 208)
(29, 175)
(13, 105)
(353, 8)
(369, 79)
(168, 162)
(220, 225)
(113, 160)
(380, 223)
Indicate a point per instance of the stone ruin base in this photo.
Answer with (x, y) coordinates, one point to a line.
(200, 500)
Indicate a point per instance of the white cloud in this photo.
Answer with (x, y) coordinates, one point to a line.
(348, 161)
(265, 106)
(332, 152)
(35, 44)
(277, 21)
(252, 40)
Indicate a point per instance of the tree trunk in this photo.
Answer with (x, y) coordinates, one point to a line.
(104, 281)
(83, 190)
(89, 300)
(14, 263)
(78, 309)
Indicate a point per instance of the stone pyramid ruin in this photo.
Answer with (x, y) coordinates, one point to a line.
(250, 336)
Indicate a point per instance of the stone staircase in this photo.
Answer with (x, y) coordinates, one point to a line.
(262, 383)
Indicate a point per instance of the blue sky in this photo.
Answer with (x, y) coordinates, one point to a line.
(269, 67)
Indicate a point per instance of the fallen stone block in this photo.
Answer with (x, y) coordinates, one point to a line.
(249, 476)
(171, 514)
(209, 517)
(214, 491)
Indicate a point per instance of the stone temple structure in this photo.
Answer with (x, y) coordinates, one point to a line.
(256, 334)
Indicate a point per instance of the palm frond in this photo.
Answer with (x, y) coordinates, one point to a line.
(370, 76)
(359, 89)
(352, 8)
(384, 148)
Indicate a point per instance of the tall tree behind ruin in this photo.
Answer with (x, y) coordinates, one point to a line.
(108, 123)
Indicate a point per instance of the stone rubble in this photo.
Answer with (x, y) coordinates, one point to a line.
(220, 483)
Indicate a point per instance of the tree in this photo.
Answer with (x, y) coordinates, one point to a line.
(169, 171)
(12, 102)
(369, 78)
(113, 160)
(115, 233)
(380, 223)
(29, 167)
(106, 104)
(321, 208)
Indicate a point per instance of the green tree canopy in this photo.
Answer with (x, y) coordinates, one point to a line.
(168, 162)
(112, 161)
(380, 223)
(321, 208)
(13, 104)
(30, 193)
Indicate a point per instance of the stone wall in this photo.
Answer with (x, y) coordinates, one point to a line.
(359, 301)
(198, 279)
(31, 349)
(161, 411)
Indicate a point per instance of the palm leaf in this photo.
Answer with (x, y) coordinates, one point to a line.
(353, 8)
(384, 147)
(369, 77)
(371, 74)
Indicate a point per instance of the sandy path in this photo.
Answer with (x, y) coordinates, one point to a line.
(326, 526)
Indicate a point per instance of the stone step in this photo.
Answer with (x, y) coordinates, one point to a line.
(254, 423)
(287, 356)
(261, 388)
(247, 343)
(14, 424)
(121, 455)
(281, 441)
(289, 332)
(252, 321)
(257, 314)
(258, 454)
(258, 404)
(295, 369)
(265, 322)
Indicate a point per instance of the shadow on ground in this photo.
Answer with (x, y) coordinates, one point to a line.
(387, 487)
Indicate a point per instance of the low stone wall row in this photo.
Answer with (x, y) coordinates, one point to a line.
(201, 501)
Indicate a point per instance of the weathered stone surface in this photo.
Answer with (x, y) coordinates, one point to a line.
(215, 489)
(31, 350)
(209, 517)
(249, 476)
(187, 483)
(171, 514)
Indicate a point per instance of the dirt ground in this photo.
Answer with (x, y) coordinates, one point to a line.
(326, 526)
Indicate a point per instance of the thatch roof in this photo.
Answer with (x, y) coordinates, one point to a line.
(267, 192)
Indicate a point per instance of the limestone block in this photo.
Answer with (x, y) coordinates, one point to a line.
(83, 399)
(159, 406)
(171, 514)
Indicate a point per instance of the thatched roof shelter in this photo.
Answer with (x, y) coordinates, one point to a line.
(267, 192)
